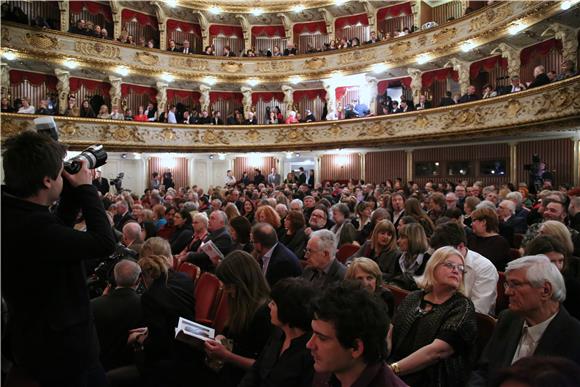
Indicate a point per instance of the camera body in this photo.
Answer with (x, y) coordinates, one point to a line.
(103, 274)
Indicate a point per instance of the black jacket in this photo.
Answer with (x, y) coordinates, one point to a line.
(223, 242)
(283, 263)
(540, 80)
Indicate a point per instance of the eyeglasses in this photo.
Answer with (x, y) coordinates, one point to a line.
(514, 285)
(452, 266)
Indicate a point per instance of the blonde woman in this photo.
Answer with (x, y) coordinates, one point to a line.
(104, 113)
(382, 247)
(413, 260)
(369, 274)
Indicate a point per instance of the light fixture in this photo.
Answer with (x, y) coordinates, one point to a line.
(215, 10)
(9, 55)
(565, 5)
(423, 58)
(253, 82)
(71, 64)
(211, 157)
(298, 8)
(209, 80)
(122, 70)
(468, 46)
(380, 68)
(257, 11)
(516, 27)
(295, 79)
(171, 3)
(288, 155)
(340, 2)
(221, 156)
(178, 29)
(167, 77)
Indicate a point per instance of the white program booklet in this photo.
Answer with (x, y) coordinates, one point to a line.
(214, 254)
(193, 333)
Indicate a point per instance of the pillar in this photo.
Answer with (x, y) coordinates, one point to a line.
(329, 20)
(513, 57)
(575, 166)
(513, 167)
(63, 7)
(204, 100)
(246, 100)
(288, 97)
(115, 91)
(330, 99)
(63, 89)
(409, 159)
(363, 174)
(247, 31)
(161, 96)
(5, 80)
(371, 89)
(416, 83)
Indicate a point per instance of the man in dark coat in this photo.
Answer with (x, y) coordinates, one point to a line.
(218, 234)
(101, 183)
(540, 77)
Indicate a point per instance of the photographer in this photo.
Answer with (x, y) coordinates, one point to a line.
(50, 330)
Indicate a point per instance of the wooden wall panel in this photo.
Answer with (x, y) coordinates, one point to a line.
(248, 164)
(177, 166)
(558, 155)
(443, 12)
(380, 166)
(340, 167)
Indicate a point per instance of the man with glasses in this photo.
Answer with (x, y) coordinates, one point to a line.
(322, 267)
(536, 323)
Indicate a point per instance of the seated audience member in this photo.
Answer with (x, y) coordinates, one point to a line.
(285, 361)
(43, 108)
(140, 116)
(200, 233)
(480, 277)
(515, 86)
(434, 328)
(470, 95)
(251, 120)
(540, 77)
(168, 296)
(536, 323)
(413, 245)
(447, 100)
(561, 233)
(132, 238)
(128, 115)
(488, 92)
(116, 114)
(485, 238)
(552, 75)
(276, 260)
(568, 70)
(186, 49)
(183, 231)
(382, 247)
(248, 324)
(294, 237)
(291, 119)
(6, 107)
(348, 343)
(219, 235)
(423, 103)
(216, 118)
(290, 50)
(105, 34)
(322, 266)
(373, 38)
(171, 46)
(266, 214)
(26, 107)
(361, 109)
(309, 116)
(413, 209)
(506, 211)
(539, 371)
(369, 274)
(116, 314)
(344, 231)
(318, 221)
(104, 113)
(228, 52)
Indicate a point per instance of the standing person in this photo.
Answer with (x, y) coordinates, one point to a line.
(50, 329)
(155, 182)
(168, 180)
(274, 178)
(101, 183)
(229, 180)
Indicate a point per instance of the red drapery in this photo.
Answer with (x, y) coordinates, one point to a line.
(225, 95)
(182, 94)
(269, 31)
(172, 25)
(89, 84)
(487, 64)
(127, 15)
(539, 49)
(317, 26)
(341, 91)
(383, 85)
(36, 79)
(266, 96)
(309, 94)
(394, 11)
(352, 21)
(219, 29)
(438, 75)
(92, 7)
(127, 88)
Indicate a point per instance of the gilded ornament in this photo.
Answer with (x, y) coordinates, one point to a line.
(293, 135)
(214, 137)
(315, 63)
(400, 48)
(356, 57)
(41, 41)
(11, 128)
(98, 49)
(168, 134)
(465, 117)
(189, 63)
(147, 58)
(422, 40)
(123, 133)
(445, 35)
(377, 129)
(253, 135)
(513, 108)
(335, 130)
(421, 121)
(6, 35)
(69, 129)
(274, 66)
(232, 67)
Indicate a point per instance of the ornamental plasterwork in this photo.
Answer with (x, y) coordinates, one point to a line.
(400, 48)
(293, 135)
(122, 133)
(356, 57)
(315, 63)
(232, 67)
(99, 49)
(11, 127)
(335, 130)
(253, 136)
(147, 58)
(377, 129)
(445, 35)
(212, 137)
(189, 63)
(42, 41)
(275, 66)
(5, 35)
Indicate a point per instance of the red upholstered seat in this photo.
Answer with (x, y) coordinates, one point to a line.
(502, 301)
(346, 251)
(221, 314)
(190, 269)
(208, 291)
(398, 293)
(485, 326)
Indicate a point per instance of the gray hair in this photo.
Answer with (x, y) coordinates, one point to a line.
(515, 196)
(540, 270)
(223, 215)
(132, 230)
(342, 208)
(297, 201)
(511, 205)
(202, 217)
(486, 204)
(126, 273)
(326, 241)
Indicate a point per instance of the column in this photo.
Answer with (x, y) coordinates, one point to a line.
(162, 24)
(204, 97)
(190, 170)
(371, 14)
(204, 24)
(568, 37)
(63, 89)
(416, 83)
(317, 171)
(330, 99)
(416, 10)
(5, 80)
(246, 100)
(161, 96)
(462, 69)
(64, 9)
(117, 22)
(288, 30)
(575, 166)
(513, 168)
(371, 89)
(115, 91)
(288, 97)
(247, 31)
(409, 154)
(329, 20)
(513, 57)
(363, 174)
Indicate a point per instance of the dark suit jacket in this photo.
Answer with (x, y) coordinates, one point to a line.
(446, 101)
(189, 51)
(102, 185)
(540, 80)
(561, 338)
(283, 263)
(336, 272)
(224, 243)
(120, 221)
(469, 98)
(296, 242)
(115, 314)
(519, 224)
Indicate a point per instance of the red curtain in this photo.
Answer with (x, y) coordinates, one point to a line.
(267, 96)
(225, 95)
(36, 79)
(182, 94)
(383, 85)
(540, 49)
(351, 21)
(218, 29)
(269, 31)
(341, 91)
(127, 88)
(92, 7)
(394, 11)
(89, 84)
(487, 64)
(438, 75)
(317, 26)
(309, 94)
(176, 165)
(172, 25)
(127, 15)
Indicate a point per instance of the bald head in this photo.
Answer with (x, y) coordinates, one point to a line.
(131, 233)
(127, 273)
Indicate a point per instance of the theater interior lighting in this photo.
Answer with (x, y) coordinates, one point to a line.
(516, 27)
(565, 5)
(340, 2)
(288, 155)
(9, 55)
(468, 46)
(167, 77)
(221, 156)
(423, 58)
(71, 64)
(255, 160)
(215, 10)
(295, 79)
(171, 3)
(257, 11)
(253, 82)
(209, 80)
(380, 68)
(122, 70)
(298, 8)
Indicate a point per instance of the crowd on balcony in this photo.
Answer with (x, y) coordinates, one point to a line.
(88, 28)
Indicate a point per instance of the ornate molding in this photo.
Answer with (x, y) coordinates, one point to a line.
(41, 41)
(98, 49)
(147, 58)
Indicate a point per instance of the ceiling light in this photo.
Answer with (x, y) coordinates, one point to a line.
(253, 82)
(71, 64)
(167, 77)
(295, 79)
(516, 27)
(468, 46)
(122, 70)
(340, 2)
(288, 155)
(380, 68)
(215, 10)
(221, 156)
(171, 3)
(178, 29)
(9, 55)
(257, 11)
(423, 58)
(298, 8)
(565, 5)
(209, 80)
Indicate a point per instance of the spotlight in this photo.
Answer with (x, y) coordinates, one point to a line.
(122, 70)
(215, 10)
(167, 77)
(211, 157)
(516, 27)
(423, 58)
(257, 11)
(209, 80)
(124, 155)
(298, 8)
(9, 55)
(467, 46)
(71, 64)
(253, 82)
(295, 79)
(380, 68)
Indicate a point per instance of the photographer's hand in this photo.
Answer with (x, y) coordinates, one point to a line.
(84, 176)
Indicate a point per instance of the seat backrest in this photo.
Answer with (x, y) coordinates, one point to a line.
(398, 293)
(514, 254)
(221, 315)
(346, 251)
(208, 290)
(193, 271)
(485, 327)
(517, 240)
(502, 301)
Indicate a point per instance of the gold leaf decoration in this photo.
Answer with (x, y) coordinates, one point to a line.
(98, 49)
(274, 66)
(123, 133)
(293, 135)
(147, 58)
(214, 137)
(6, 35)
(400, 48)
(189, 63)
(421, 121)
(335, 130)
(315, 63)
(69, 129)
(356, 57)
(253, 135)
(444, 35)
(377, 129)
(232, 67)
(11, 128)
(41, 41)
(513, 108)
(168, 134)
